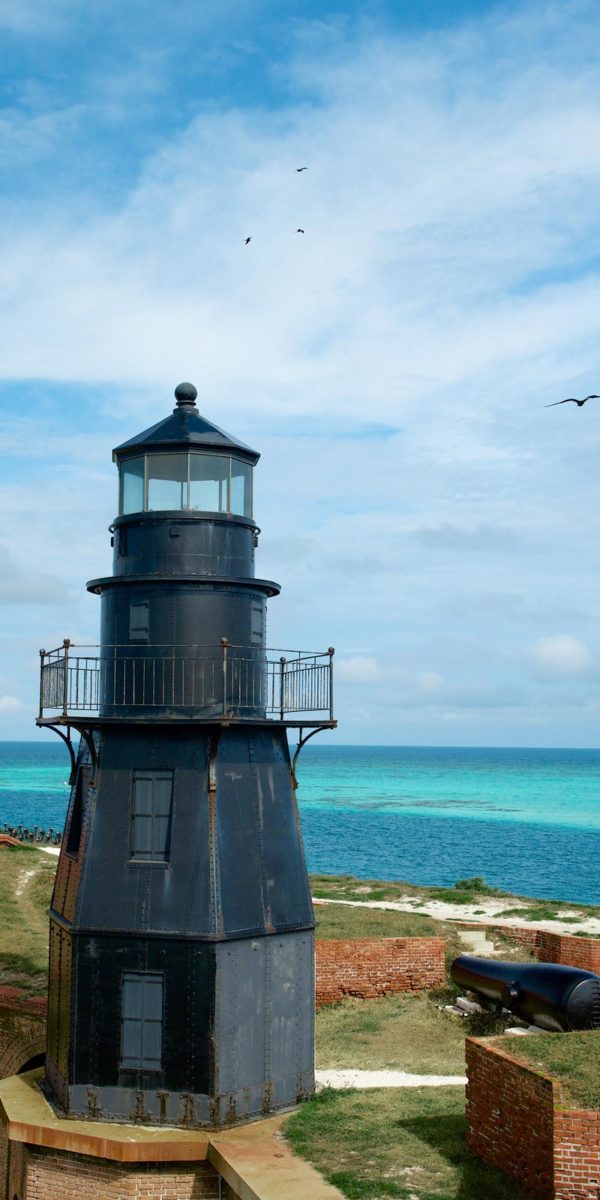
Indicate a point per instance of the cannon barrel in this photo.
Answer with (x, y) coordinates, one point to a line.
(549, 995)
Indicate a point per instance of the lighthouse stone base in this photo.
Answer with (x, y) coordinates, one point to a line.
(44, 1156)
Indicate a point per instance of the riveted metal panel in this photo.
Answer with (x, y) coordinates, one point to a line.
(119, 892)
(239, 836)
(184, 544)
(287, 892)
(264, 1021)
(102, 964)
(264, 885)
(241, 1034)
(292, 1016)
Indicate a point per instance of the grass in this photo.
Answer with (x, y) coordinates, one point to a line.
(571, 1058)
(402, 1143)
(340, 921)
(347, 887)
(546, 911)
(399, 1032)
(26, 878)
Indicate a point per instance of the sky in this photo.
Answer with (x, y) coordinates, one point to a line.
(422, 509)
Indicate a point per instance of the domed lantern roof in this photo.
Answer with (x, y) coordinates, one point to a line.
(185, 427)
(185, 464)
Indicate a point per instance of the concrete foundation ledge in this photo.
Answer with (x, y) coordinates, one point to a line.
(258, 1165)
(44, 1154)
(29, 1118)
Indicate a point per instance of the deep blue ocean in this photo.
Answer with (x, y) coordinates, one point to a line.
(526, 820)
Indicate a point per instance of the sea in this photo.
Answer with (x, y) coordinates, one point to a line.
(526, 820)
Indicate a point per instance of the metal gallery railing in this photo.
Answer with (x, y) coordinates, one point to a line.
(224, 680)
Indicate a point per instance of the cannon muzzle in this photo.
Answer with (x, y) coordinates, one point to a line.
(549, 995)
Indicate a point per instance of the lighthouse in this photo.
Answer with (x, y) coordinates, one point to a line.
(181, 984)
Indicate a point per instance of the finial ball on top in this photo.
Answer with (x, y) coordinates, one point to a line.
(185, 393)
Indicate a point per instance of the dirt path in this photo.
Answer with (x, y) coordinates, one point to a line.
(22, 883)
(351, 1078)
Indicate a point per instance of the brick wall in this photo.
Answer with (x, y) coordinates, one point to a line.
(551, 947)
(576, 1154)
(572, 951)
(38, 1174)
(22, 1029)
(510, 1117)
(517, 1121)
(3, 1159)
(370, 967)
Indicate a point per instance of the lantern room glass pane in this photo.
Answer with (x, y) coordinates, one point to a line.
(132, 485)
(241, 488)
(209, 482)
(166, 481)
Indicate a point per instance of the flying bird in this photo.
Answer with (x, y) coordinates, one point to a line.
(299, 169)
(299, 231)
(573, 400)
(247, 240)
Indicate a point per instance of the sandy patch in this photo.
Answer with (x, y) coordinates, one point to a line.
(476, 941)
(50, 850)
(482, 913)
(23, 877)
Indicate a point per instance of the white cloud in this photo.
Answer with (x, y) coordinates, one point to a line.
(357, 670)
(561, 656)
(430, 683)
(446, 287)
(410, 179)
(10, 704)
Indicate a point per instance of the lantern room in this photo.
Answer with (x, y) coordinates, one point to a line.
(185, 464)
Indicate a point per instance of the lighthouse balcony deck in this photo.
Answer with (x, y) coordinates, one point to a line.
(200, 683)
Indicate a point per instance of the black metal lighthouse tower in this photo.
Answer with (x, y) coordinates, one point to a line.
(181, 927)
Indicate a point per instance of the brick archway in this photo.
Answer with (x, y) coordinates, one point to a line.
(13, 1057)
(22, 1030)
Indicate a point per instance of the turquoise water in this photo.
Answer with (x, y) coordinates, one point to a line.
(527, 820)
(544, 787)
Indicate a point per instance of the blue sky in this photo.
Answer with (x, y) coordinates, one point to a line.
(422, 510)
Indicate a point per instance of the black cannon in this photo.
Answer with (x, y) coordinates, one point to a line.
(551, 996)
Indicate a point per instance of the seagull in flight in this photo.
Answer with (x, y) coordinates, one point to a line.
(299, 231)
(299, 169)
(247, 240)
(573, 400)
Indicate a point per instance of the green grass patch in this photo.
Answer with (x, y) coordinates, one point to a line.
(571, 1058)
(405, 1032)
(400, 1032)
(403, 1143)
(341, 921)
(546, 911)
(26, 879)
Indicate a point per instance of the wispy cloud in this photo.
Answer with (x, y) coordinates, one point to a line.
(561, 656)
(392, 363)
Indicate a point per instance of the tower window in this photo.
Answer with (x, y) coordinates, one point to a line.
(186, 481)
(141, 1021)
(139, 618)
(166, 481)
(151, 815)
(132, 485)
